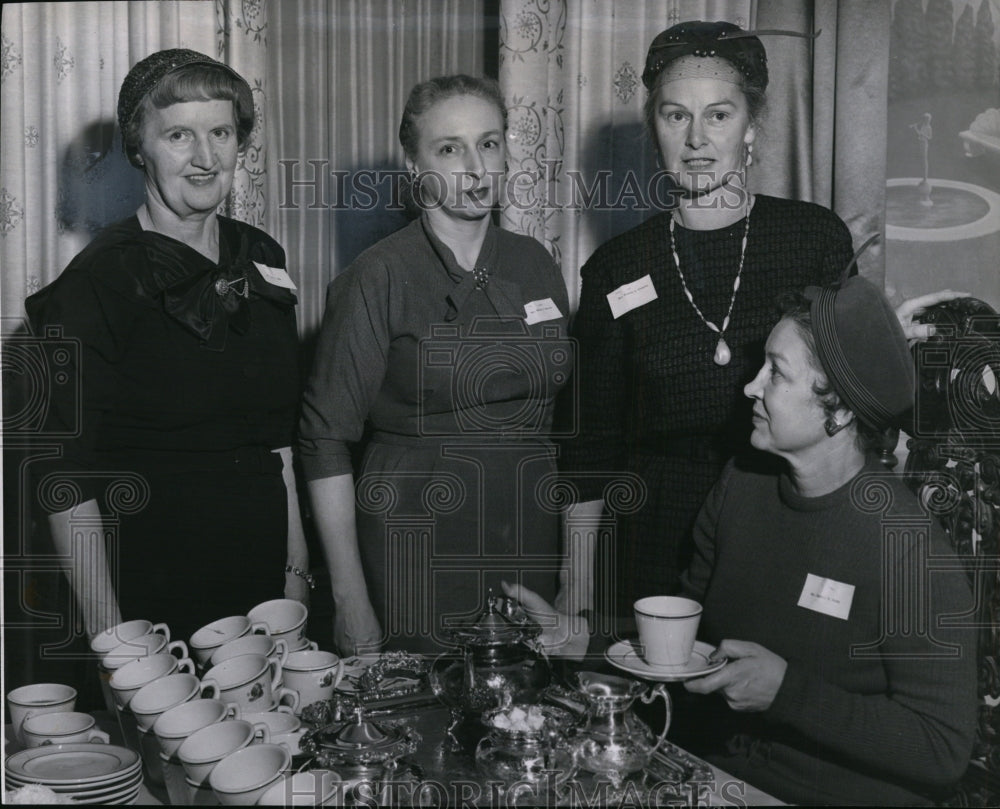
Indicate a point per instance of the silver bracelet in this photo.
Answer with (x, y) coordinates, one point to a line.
(302, 574)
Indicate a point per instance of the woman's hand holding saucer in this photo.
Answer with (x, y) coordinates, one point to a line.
(562, 635)
(749, 681)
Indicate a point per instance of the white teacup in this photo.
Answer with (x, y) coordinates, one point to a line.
(210, 637)
(285, 618)
(40, 698)
(160, 695)
(251, 681)
(175, 724)
(143, 646)
(313, 675)
(283, 727)
(126, 681)
(308, 788)
(207, 746)
(243, 776)
(65, 727)
(252, 644)
(277, 722)
(667, 627)
(104, 642)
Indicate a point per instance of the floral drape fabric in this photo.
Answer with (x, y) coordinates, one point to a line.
(63, 176)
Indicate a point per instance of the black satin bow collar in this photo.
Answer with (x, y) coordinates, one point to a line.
(205, 298)
(483, 280)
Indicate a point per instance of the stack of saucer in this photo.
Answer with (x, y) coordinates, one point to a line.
(85, 772)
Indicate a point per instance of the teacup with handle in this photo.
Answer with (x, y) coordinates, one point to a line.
(205, 641)
(103, 642)
(39, 698)
(65, 727)
(207, 746)
(246, 774)
(286, 620)
(167, 692)
(143, 646)
(127, 680)
(112, 637)
(175, 724)
(251, 681)
(313, 675)
(275, 650)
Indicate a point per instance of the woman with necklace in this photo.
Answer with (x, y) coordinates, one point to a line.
(661, 367)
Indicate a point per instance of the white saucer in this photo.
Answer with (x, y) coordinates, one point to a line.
(625, 656)
(78, 764)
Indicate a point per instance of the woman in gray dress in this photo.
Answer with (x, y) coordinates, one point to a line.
(444, 346)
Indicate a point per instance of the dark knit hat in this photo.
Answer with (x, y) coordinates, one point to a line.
(149, 72)
(863, 350)
(724, 40)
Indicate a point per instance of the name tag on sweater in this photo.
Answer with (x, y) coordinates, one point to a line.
(540, 311)
(827, 596)
(275, 275)
(631, 296)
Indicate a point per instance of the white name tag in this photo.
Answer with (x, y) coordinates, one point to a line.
(275, 275)
(540, 311)
(631, 296)
(827, 596)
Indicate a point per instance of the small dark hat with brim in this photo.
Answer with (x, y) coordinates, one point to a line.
(863, 350)
(150, 71)
(720, 39)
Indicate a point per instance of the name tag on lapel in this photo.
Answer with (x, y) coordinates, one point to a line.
(541, 310)
(631, 296)
(275, 275)
(827, 596)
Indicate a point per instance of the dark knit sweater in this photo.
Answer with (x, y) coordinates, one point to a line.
(647, 382)
(876, 709)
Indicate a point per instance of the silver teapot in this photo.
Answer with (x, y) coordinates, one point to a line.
(612, 741)
(500, 662)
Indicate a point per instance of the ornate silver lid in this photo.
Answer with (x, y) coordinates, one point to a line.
(503, 622)
(359, 742)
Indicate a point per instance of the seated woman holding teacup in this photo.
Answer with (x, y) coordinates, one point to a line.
(843, 683)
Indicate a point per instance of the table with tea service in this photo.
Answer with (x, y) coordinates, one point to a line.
(249, 711)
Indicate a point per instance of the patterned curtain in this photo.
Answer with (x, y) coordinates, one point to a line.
(241, 42)
(580, 159)
(63, 176)
(342, 70)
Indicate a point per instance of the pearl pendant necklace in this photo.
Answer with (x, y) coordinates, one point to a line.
(722, 353)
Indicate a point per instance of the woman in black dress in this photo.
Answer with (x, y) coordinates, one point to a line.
(673, 317)
(187, 369)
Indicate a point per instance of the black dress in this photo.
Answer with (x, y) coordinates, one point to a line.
(456, 382)
(184, 379)
(652, 403)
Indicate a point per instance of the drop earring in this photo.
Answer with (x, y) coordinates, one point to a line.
(749, 160)
(832, 426)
